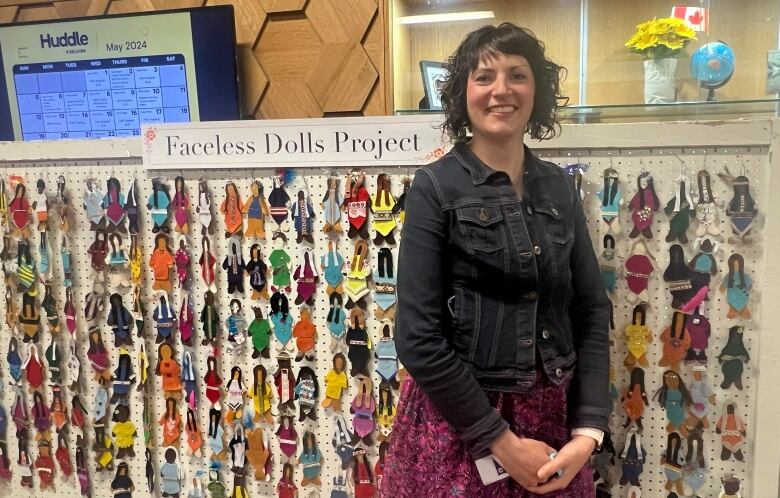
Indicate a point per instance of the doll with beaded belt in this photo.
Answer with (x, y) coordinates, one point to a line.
(286, 487)
(672, 462)
(363, 407)
(331, 206)
(25, 469)
(124, 377)
(733, 357)
(335, 320)
(359, 344)
(611, 198)
(706, 208)
(260, 392)
(288, 438)
(260, 332)
(234, 268)
(19, 211)
(257, 270)
(633, 456)
(673, 397)
(699, 330)
(356, 283)
(741, 209)
(158, 204)
(311, 460)
(382, 204)
(282, 322)
(98, 250)
(279, 202)
(384, 286)
(676, 340)
(732, 431)
(363, 476)
(638, 335)
(638, 269)
(643, 206)
(737, 285)
(356, 201)
(44, 464)
(235, 395)
(204, 207)
(209, 319)
(306, 278)
(284, 380)
(165, 318)
(307, 392)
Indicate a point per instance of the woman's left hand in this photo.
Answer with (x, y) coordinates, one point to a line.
(570, 459)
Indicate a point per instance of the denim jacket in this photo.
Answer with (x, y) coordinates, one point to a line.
(489, 284)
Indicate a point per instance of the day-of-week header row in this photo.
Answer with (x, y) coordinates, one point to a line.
(155, 60)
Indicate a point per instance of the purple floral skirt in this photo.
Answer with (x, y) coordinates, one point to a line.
(427, 459)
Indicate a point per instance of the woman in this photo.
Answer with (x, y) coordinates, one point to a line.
(502, 315)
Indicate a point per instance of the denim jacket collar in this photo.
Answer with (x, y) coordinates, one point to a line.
(480, 171)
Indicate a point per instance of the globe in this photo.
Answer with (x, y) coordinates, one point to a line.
(713, 65)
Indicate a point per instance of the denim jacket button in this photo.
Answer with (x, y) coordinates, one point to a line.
(545, 334)
(526, 343)
(531, 296)
(529, 210)
(554, 212)
(537, 250)
(558, 373)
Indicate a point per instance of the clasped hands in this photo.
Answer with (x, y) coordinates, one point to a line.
(529, 461)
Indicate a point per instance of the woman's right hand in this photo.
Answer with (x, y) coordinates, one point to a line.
(521, 457)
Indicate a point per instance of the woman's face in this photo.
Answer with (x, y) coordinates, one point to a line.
(500, 96)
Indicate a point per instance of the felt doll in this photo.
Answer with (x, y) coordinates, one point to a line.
(702, 397)
(53, 361)
(733, 431)
(280, 264)
(311, 460)
(78, 414)
(363, 476)
(385, 413)
(331, 207)
(737, 285)
(102, 442)
(237, 446)
(92, 200)
(359, 344)
(635, 398)
(62, 454)
(204, 207)
(286, 487)
(64, 207)
(356, 284)
(282, 321)
(673, 397)
(213, 382)
(638, 336)
(98, 250)
(216, 435)
(706, 207)
(387, 358)
(69, 310)
(730, 487)
(209, 319)
(123, 378)
(284, 380)
(170, 475)
(171, 423)
(307, 392)
(643, 206)
(5, 464)
(194, 435)
(305, 333)
(336, 321)
(41, 417)
(676, 340)
(113, 204)
(306, 277)
(256, 209)
(356, 201)
(231, 209)
(703, 265)
(215, 486)
(143, 367)
(94, 302)
(672, 461)
(699, 330)
(235, 395)
(234, 266)
(379, 468)
(122, 486)
(638, 268)
(81, 470)
(186, 321)
(259, 453)
(335, 383)
(30, 318)
(44, 268)
(33, 368)
(121, 321)
(117, 263)
(339, 489)
(165, 319)
(279, 200)
(680, 210)
(158, 205)
(11, 309)
(608, 264)
(40, 204)
(260, 392)
(181, 206)
(257, 271)
(124, 432)
(19, 210)
(182, 261)
(695, 456)
(236, 328)
(19, 415)
(678, 276)
(384, 286)
(150, 476)
(288, 438)
(161, 263)
(207, 262)
(260, 332)
(633, 456)
(400, 203)
(25, 469)
(611, 199)
(189, 380)
(25, 268)
(169, 371)
(303, 213)
(741, 209)
(382, 204)
(136, 261)
(363, 407)
(332, 264)
(14, 360)
(131, 209)
(733, 357)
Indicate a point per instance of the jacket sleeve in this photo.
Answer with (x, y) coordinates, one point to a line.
(589, 401)
(420, 341)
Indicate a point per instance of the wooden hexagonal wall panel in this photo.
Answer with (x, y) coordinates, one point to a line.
(296, 58)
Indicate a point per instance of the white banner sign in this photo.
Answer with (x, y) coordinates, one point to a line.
(300, 143)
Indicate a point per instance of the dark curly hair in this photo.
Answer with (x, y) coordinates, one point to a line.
(487, 42)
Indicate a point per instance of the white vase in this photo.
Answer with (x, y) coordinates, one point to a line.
(660, 83)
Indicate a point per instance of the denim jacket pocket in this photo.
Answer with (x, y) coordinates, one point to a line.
(555, 223)
(483, 227)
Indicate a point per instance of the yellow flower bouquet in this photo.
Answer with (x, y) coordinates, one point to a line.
(661, 38)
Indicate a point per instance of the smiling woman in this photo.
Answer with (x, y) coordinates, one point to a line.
(493, 238)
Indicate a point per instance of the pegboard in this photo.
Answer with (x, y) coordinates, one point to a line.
(665, 167)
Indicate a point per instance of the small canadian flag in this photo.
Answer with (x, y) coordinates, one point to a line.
(695, 17)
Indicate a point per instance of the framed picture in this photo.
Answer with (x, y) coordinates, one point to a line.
(433, 75)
